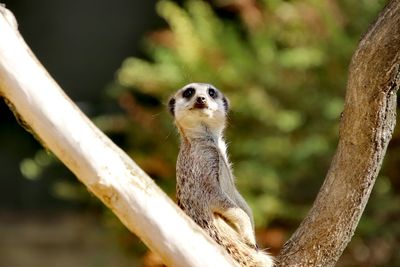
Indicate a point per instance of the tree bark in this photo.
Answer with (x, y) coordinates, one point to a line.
(366, 128)
(44, 110)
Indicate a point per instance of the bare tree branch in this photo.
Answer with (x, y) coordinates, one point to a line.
(107, 171)
(366, 128)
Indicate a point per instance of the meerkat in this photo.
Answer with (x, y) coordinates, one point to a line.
(205, 188)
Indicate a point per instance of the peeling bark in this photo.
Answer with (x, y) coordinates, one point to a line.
(366, 128)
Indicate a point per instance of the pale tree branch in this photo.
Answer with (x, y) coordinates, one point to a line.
(366, 128)
(107, 171)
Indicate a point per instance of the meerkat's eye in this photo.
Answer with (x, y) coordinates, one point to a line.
(188, 93)
(212, 92)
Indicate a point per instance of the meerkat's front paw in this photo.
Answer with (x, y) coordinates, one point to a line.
(242, 224)
(249, 237)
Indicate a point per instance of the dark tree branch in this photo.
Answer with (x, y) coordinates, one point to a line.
(366, 128)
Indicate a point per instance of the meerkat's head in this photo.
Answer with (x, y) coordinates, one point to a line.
(199, 107)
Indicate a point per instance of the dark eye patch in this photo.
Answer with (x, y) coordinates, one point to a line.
(171, 106)
(212, 92)
(188, 92)
(226, 104)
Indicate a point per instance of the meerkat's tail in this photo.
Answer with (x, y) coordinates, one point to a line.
(241, 252)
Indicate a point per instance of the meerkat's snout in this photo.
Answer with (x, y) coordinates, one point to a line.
(201, 102)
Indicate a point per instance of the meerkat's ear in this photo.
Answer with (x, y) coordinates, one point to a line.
(171, 106)
(226, 104)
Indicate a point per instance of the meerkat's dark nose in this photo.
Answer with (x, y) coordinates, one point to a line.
(201, 100)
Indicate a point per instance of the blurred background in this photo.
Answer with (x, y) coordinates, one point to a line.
(282, 64)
